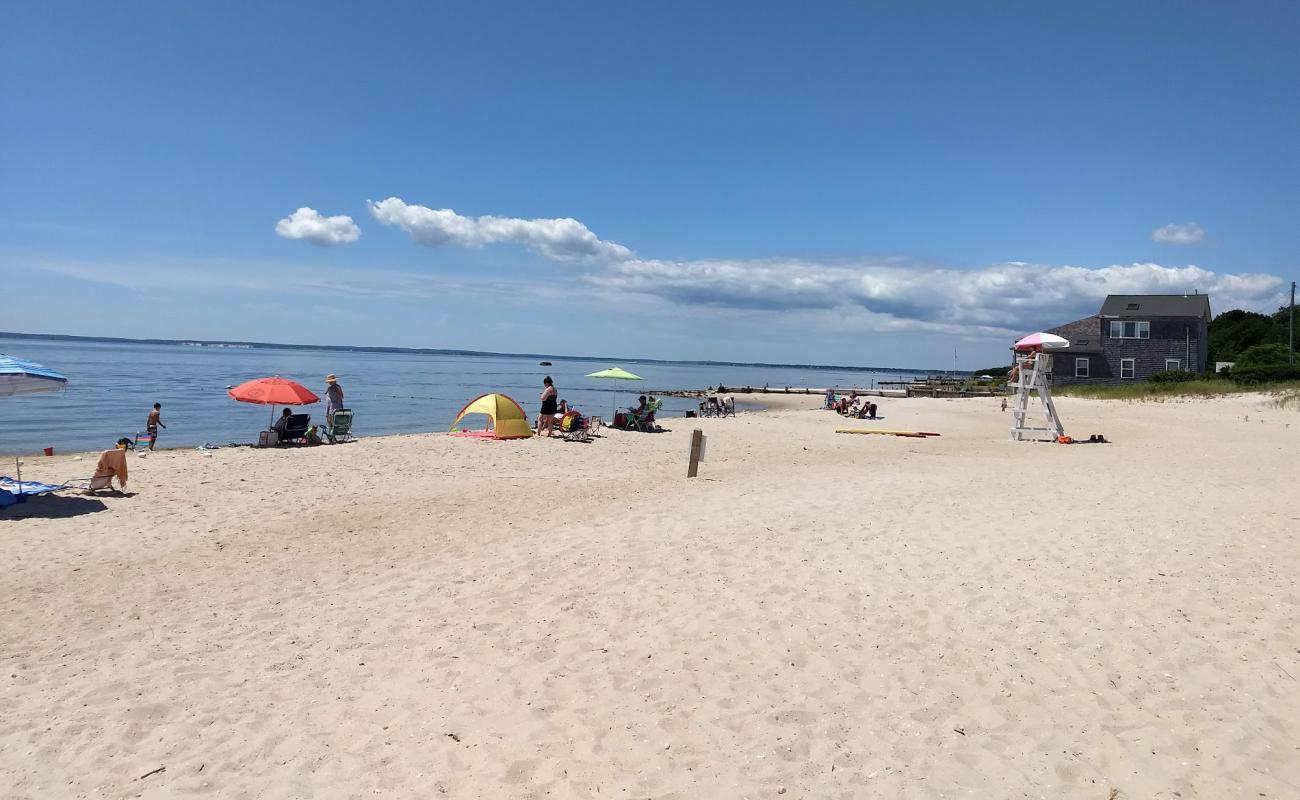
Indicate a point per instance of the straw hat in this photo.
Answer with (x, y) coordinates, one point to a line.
(331, 378)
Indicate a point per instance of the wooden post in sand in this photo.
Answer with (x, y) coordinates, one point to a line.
(697, 453)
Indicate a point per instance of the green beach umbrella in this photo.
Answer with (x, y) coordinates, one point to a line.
(615, 374)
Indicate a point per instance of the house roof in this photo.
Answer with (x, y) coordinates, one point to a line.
(1157, 305)
(1084, 335)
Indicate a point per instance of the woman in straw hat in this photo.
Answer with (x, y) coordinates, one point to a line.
(333, 397)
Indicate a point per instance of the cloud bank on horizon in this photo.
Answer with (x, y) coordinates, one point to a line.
(309, 225)
(995, 300)
(999, 299)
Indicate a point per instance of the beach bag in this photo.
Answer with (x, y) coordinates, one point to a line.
(571, 422)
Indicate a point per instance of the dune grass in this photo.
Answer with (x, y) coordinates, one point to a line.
(1285, 393)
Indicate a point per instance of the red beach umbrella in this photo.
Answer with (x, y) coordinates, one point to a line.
(273, 392)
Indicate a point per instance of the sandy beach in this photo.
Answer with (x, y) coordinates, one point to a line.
(816, 615)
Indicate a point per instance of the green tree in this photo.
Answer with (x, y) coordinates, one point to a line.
(1234, 332)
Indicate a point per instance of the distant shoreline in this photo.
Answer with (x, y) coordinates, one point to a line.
(226, 344)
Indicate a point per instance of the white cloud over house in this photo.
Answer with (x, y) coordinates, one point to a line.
(561, 239)
(884, 294)
(1000, 298)
(1179, 233)
(309, 225)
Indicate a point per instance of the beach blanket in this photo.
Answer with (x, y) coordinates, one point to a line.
(29, 487)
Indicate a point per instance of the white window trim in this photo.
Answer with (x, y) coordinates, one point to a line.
(1132, 369)
(1139, 329)
(1082, 362)
(1177, 364)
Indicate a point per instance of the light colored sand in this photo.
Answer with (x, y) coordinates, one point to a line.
(832, 616)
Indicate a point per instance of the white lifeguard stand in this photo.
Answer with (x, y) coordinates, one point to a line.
(1033, 415)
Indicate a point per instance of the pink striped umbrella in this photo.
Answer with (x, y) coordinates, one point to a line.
(1042, 341)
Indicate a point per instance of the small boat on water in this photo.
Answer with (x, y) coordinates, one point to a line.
(544, 363)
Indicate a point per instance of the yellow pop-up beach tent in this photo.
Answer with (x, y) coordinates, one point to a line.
(509, 421)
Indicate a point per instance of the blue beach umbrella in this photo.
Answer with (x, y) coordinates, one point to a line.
(25, 377)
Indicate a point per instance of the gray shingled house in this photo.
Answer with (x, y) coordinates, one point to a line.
(1133, 337)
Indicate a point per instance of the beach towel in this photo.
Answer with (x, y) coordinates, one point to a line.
(28, 487)
(112, 464)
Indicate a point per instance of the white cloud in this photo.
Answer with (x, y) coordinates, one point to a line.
(883, 295)
(996, 300)
(557, 239)
(308, 224)
(1184, 233)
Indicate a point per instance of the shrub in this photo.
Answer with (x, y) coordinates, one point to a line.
(1173, 376)
(1265, 374)
(1261, 356)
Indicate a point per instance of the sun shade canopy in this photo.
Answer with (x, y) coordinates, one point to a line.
(509, 421)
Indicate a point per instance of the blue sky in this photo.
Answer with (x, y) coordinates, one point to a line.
(856, 183)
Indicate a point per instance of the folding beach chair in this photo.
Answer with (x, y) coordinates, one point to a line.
(144, 440)
(339, 428)
(575, 428)
(645, 422)
(295, 429)
(111, 465)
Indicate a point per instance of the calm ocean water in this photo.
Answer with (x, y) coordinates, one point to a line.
(112, 386)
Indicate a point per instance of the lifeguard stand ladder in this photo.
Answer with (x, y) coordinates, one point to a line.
(1035, 421)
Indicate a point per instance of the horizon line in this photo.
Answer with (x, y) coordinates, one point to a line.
(460, 352)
